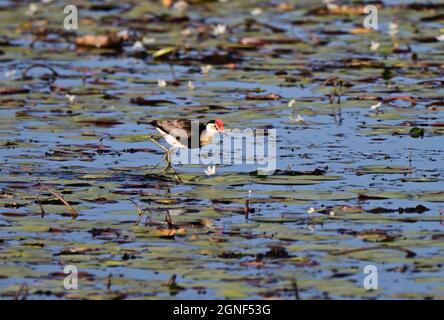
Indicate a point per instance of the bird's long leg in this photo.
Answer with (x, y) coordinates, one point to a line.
(167, 159)
(160, 145)
(165, 156)
(170, 167)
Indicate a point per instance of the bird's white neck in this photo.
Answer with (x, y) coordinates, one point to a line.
(207, 136)
(211, 130)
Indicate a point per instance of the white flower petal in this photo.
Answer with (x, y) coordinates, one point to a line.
(180, 6)
(393, 29)
(31, 10)
(219, 29)
(71, 98)
(10, 74)
(138, 46)
(206, 69)
(147, 40)
(374, 46)
(256, 12)
(376, 106)
(210, 171)
(291, 103)
(298, 118)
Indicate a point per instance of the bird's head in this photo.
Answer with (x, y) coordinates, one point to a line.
(214, 126)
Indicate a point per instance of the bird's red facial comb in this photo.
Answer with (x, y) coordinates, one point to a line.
(219, 125)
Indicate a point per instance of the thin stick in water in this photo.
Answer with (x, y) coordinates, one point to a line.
(74, 212)
(42, 211)
(296, 289)
(409, 253)
(141, 212)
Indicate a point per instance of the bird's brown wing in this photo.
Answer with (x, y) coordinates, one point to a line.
(177, 128)
(180, 129)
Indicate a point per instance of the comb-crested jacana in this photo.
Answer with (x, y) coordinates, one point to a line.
(181, 133)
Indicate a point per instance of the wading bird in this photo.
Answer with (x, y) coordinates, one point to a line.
(185, 134)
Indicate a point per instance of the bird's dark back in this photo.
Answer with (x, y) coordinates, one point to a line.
(182, 131)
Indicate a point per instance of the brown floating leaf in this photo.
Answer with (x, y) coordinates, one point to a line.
(345, 9)
(13, 214)
(437, 17)
(231, 255)
(361, 30)
(289, 172)
(99, 41)
(350, 209)
(438, 236)
(81, 275)
(95, 146)
(364, 97)
(165, 233)
(81, 250)
(418, 209)
(102, 121)
(104, 233)
(276, 252)
(58, 230)
(368, 197)
(251, 41)
(270, 96)
(253, 263)
(140, 101)
(409, 253)
(374, 235)
(5, 90)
